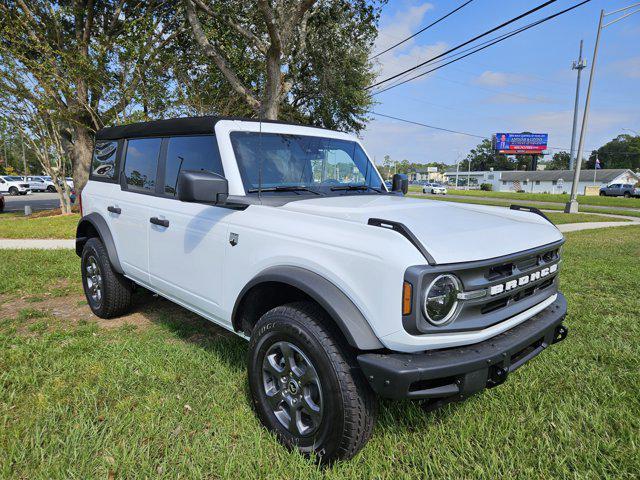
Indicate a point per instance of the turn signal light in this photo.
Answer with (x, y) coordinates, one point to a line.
(407, 294)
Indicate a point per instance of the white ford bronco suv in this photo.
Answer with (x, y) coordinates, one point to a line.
(288, 236)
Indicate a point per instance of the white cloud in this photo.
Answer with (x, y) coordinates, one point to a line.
(498, 79)
(506, 98)
(409, 54)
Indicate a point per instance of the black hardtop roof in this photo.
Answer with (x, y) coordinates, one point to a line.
(172, 126)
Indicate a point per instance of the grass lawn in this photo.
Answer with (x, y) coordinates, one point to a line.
(19, 226)
(546, 197)
(162, 394)
(507, 203)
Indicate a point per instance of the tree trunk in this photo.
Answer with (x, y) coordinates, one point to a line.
(270, 104)
(80, 152)
(63, 197)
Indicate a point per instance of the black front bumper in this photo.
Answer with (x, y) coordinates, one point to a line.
(455, 373)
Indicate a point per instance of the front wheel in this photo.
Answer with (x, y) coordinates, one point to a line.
(51, 189)
(627, 195)
(13, 191)
(602, 194)
(306, 385)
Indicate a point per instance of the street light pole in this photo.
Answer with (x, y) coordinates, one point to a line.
(577, 65)
(572, 205)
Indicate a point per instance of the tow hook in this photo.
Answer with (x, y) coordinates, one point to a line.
(560, 334)
(497, 376)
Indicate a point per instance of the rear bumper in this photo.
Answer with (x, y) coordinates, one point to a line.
(455, 373)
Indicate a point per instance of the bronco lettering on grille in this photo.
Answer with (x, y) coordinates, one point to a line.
(519, 282)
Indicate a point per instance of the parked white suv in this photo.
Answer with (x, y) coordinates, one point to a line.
(288, 236)
(13, 185)
(45, 184)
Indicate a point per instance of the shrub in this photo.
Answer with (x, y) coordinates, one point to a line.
(487, 187)
(520, 191)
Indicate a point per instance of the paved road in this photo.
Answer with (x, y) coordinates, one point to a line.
(531, 202)
(38, 201)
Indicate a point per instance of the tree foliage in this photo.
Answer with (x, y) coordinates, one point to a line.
(484, 157)
(299, 60)
(559, 161)
(621, 152)
(87, 62)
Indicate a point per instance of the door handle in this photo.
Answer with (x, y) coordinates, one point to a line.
(159, 221)
(112, 209)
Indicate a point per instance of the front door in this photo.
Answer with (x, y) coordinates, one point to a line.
(187, 244)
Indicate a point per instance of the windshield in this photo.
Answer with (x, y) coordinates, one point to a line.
(314, 163)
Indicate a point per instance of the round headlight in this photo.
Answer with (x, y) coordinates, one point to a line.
(441, 299)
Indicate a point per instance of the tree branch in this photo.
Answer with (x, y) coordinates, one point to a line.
(217, 58)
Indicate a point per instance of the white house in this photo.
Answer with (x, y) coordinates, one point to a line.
(545, 181)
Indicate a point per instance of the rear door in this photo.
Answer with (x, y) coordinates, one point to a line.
(128, 211)
(186, 253)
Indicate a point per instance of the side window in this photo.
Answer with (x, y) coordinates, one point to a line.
(141, 163)
(103, 163)
(190, 153)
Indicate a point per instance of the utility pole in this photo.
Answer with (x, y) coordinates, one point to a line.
(572, 205)
(578, 65)
(468, 176)
(457, 171)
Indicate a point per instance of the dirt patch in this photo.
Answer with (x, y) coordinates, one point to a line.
(71, 310)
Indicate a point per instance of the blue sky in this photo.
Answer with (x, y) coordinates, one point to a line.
(522, 84)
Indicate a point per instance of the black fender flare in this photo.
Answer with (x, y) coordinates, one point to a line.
(349, 319)
(96, 222)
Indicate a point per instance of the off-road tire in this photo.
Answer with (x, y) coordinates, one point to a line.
(349, 404)
(116, 289)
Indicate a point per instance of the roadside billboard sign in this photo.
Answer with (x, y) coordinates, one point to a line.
(520, 143)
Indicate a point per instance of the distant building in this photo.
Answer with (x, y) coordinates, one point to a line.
(425, 176)
(544, 181)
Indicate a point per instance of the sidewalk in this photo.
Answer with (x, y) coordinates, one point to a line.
(37, 244)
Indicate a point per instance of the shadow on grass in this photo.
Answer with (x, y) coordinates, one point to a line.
(186, 326)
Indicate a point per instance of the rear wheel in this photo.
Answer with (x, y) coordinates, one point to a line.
(108, 292)
(306, 385)
(627, 195)
(51, 189)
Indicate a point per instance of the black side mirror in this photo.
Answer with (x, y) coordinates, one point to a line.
(202, 187)
(400, 183)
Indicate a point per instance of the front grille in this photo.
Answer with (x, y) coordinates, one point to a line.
(517, 288)
(24, 185)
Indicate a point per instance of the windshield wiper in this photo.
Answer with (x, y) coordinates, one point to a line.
(284, 188)
(355, 187)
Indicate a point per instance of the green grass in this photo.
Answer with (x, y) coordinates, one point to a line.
(37, 271)
(560, 218)
(59, 226)
(81, 401)
(506, 203)
(546, 197)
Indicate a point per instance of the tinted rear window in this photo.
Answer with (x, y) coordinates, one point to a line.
(141, 163)
(190, 153)
(103, 163)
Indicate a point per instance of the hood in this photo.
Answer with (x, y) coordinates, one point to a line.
(450, 232)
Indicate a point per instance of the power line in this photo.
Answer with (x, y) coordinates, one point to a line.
(459, 132)
(497, 40)
(522, 15)
(422, 29)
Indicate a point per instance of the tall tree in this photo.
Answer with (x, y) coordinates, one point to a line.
(90, 62)
(621, 152)
(304, 60)
(484, 157)
(559, 161)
